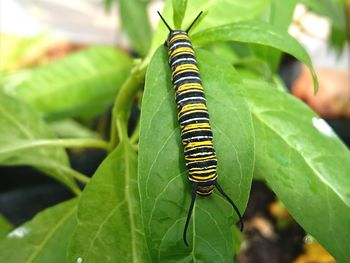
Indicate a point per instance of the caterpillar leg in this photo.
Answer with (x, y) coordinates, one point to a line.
(189, 214)
(217, 185)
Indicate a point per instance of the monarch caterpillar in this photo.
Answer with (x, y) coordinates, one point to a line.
(193, 117)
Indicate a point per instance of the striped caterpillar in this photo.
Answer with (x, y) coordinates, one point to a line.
(193, 117)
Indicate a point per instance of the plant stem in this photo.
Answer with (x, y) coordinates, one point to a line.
(79, 176)
(68, 143)
(123, 103)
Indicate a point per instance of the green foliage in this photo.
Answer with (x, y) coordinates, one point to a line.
(302, 162)
(134, 207)
(335, 11)
(81, 84)
(5, 226)
(43, 239)
(135, 22)
(20, 128)
(109, 224)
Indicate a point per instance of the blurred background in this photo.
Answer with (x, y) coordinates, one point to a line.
(37, 32)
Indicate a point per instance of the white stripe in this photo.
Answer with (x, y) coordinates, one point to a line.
(199, 154)
(197, 137)
(191, 98)
(203, 168)
(195, 119)
(188, 77)
(180, 43)
(183, 59)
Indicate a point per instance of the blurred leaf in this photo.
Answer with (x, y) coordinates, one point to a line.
(70, 128)
(43, 239)
(259, 33)
(179, 12)
(83, 83)
(109, 222)
(19, 124)
(305, 164)
(334, 10)
(216, 13)
(135, 22)
(5, 226)
(164, 188)
(108, 4)
(280, 16)
(19, 52)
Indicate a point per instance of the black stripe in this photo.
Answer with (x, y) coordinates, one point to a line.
(174, 58)
(176, 44)
(195, 133)
(185, 74)
(199, 149)
(203, 114)
(188, 95)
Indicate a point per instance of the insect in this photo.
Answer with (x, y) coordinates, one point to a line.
(193, 117)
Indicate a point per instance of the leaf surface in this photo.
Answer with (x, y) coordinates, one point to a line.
(134, 18)
(258, 33)
(43, 239)
(109, 221)
(305, 164)
(21, 125)
(83, 83)
(216, 13)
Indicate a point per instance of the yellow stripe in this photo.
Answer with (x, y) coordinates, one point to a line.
(179, 51)
(179, 36)
(203, 177)
(197, 126)
(194, 159)
(198, 144)
(189, 112)
(185, 67)
(174, 74)
(203, 172)
(188, 91)
(189, 86)
(196, 106)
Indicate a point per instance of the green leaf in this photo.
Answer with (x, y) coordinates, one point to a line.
(20, 124)
(280, 16)
(69, 128)
(179, 7)
(108, 4)
(258, 33)
(5, 226)
(305, 164)
(335, 11)
(164, 188)
(83, 83)
(43, 239)
(216, 13)
(135, 22)
(109, 222)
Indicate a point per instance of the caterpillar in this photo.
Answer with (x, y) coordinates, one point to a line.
(193, 116)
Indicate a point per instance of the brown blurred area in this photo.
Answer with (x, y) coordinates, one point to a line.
(332, 100)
